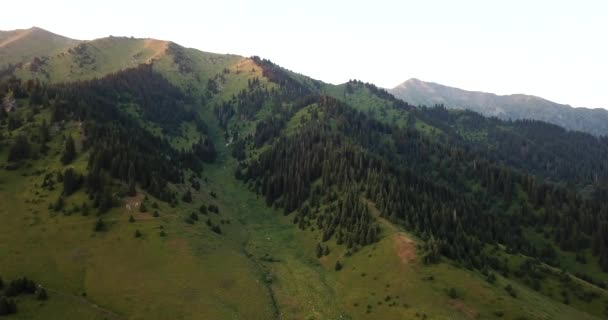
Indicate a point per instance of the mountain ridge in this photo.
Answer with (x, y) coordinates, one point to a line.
(510, 107)
(17, 46)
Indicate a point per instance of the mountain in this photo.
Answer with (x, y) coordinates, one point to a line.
(515, 106)
(140, 179)
(23, 45)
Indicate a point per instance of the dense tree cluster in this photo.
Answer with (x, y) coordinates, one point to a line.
(449, 192)
(119, 146)
(542, 149)
(15, 288)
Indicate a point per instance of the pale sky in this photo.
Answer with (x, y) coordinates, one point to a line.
(554, 49)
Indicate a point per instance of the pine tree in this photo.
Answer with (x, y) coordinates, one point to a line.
(338, 266)
(69, 152)
(319, 251)
(20, 149)
(71, 181)
(194, 216)
(137, 234)
(132, 178)
(131, 219)
(41, 294)
(43, 132)
(100, 225)
(7, 306)
(187, 197)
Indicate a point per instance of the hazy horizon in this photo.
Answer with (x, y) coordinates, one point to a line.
(549, 49)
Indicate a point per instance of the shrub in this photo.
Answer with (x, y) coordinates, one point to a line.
(100, 225)
(338, 266)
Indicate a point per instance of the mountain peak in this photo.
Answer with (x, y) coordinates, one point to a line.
(25, 44)
(411, 81)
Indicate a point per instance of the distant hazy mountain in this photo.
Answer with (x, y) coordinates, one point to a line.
(515, 106)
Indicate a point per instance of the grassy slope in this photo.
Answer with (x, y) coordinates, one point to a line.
(100, 57)
(23, 45)
(303, 285)
(363, 100)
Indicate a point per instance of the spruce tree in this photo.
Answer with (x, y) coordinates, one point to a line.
(100, 225)
(338, 266)
(69, 152)
(187, 197)
(41, 294)
(131, 178)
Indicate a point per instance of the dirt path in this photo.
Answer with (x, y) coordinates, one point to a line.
(83, 300)
(404, 247)
(465, 309)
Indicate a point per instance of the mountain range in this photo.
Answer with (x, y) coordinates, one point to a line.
(140, 179)
(511, 107)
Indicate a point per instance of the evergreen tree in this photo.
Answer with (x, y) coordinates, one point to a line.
(20, 149)
(131, 178)
(100, 225)
(69, 152)
(41, 294)
(193, 216)
(187, 197)
(338, 266)
(71, 181)
(7, 306)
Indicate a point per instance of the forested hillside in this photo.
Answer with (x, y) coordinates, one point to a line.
(196, 185)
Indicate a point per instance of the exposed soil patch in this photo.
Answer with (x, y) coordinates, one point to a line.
(465, 309)
(132, 203)
(405, 248)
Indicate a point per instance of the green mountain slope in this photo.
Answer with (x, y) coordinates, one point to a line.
(19, 46)
(270, 195)
(516, 106)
